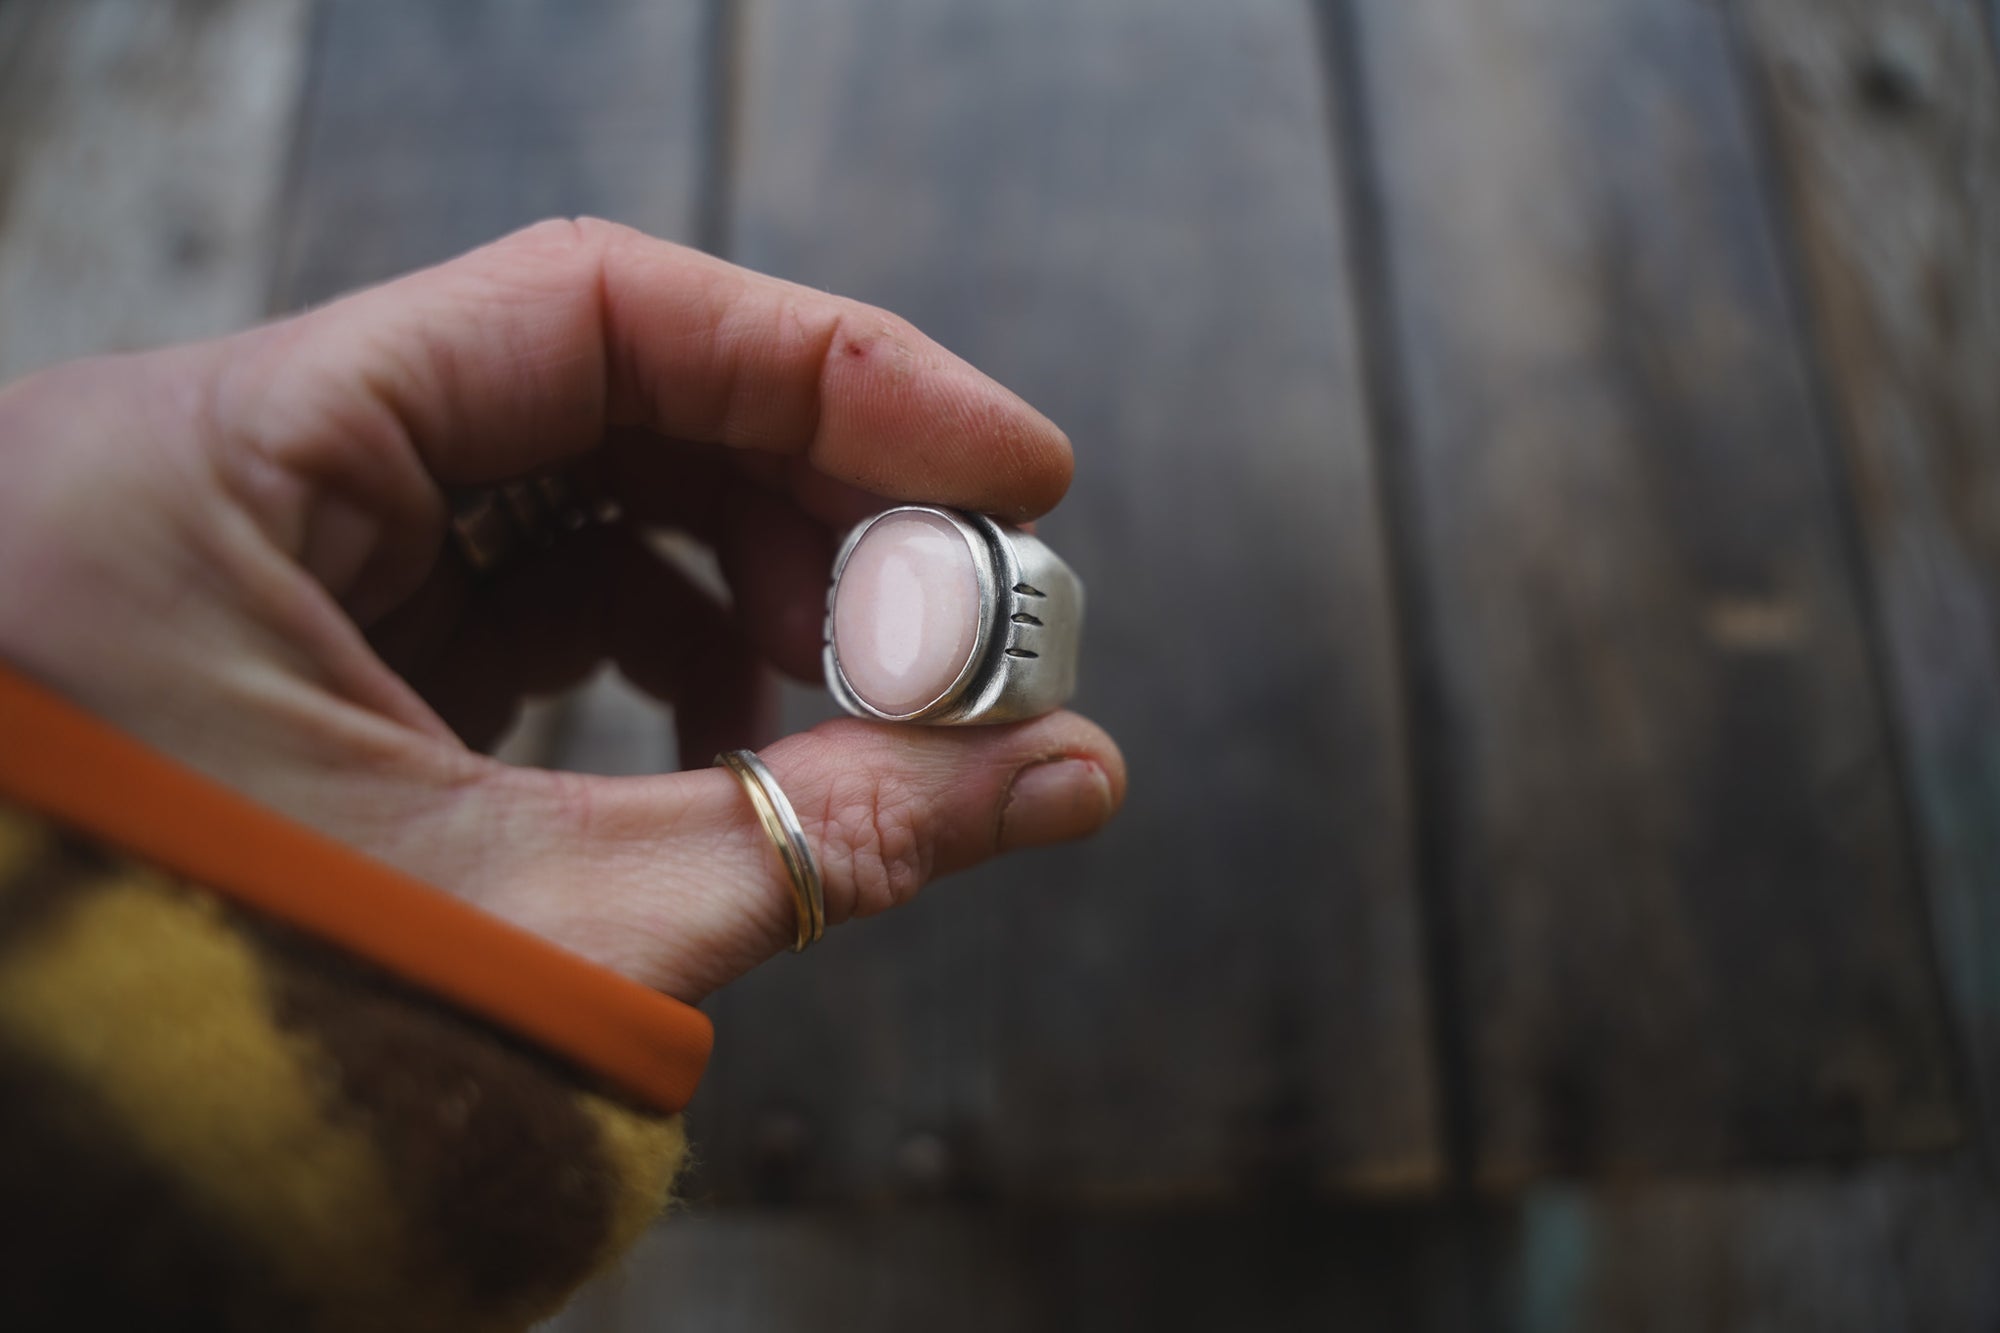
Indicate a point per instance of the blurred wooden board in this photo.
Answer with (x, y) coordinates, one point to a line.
(434, 128)
(1668, 820)
(1887, 118)
(431, 129)
(1126, 212)
(998, 1271)
(1678, 688)
(1889, 1248)
(1901, 304)
(142, 151)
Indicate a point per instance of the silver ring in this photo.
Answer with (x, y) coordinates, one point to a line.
(1018, 654)
(781, 825)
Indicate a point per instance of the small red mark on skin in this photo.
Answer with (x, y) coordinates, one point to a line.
(856, 350)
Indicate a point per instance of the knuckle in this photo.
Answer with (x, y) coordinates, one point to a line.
(566, 252)
(561, 235)
(873, 845)
(579, 239)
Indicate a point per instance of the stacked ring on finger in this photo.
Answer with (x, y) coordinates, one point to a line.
(947, 618)
(788, 837)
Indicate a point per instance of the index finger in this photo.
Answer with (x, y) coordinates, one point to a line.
(519, 355)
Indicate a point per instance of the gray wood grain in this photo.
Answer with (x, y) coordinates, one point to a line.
(1670, 829)
(431, 129)
(1883, 1248)
(981, 1270)
(434, 128)
(1887, 120)
(1126, 212)
(1886, 1248)
(142, 150)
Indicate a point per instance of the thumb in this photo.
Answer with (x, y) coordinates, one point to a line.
(672, 880)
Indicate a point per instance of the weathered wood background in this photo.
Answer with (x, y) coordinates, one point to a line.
(1539, 480)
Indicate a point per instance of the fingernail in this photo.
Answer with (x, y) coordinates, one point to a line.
(1054, 801)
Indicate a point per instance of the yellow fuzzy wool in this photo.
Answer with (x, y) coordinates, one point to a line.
(143, 994)
(645, 1153)
(21, 843)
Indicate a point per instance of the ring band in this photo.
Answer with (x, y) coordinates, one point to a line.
(490, 525)
(1003, 611)
(781, 825)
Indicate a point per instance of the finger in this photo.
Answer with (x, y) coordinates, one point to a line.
(518, 356)
(541, 625)
(532, 627)
(777, 557)
(410, 637)
(674, 642)
(779, 562)
(683, 484)
(658, 482)
(673, 881)
(835, 503)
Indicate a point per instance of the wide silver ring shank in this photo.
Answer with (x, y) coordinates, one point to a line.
(1023, 661)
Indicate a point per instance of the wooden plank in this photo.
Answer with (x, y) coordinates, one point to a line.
(1125, 211)
(978, 1269)
(1887, 118)
(1888, 1248)
(142, 148)
(434, 128)
(1885, 1248)
(1670, 828)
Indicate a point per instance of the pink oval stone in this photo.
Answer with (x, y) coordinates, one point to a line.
(906, 613)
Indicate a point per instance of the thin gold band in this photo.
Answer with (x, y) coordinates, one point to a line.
(781, 825)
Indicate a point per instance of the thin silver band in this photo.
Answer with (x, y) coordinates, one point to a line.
(1023, 661)
(788, 836)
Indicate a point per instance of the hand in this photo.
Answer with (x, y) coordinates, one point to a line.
(236, 551)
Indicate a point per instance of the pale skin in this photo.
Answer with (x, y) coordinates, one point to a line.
(236, 551)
